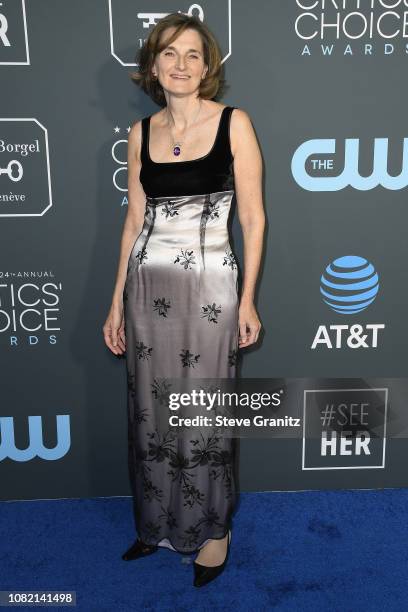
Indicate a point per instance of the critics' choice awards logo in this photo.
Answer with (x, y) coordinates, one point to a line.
(344, 428)
(119, 157)
(312, 172)
(29, 309)
(351, 27)
(25, 180)
(14, 49)
(348, 286)
(130, 24)
(15, 450)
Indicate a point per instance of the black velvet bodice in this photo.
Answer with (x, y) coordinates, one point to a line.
(208, 174)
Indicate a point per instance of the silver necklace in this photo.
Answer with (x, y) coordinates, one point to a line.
(177, 143)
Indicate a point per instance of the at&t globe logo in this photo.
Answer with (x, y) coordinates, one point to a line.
(348, 285)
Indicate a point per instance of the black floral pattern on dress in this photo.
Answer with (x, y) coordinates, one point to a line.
(139, 414)
(142, 255)
(186, 258)
(179, 464)
(232, 357)
(188, 359)
(151, 492)
(143, 351)
(152, 529)
(161, 446)
(131, 383)
(160, 390)
(211, 517)
(211, 312)
(169, 517)
(184, 467)
(192, 495)
(192, 535)
(183, 463)
(161, 306)
(211, 209)
(221, 465)
(229, 260)
(206, 451)
(169, 209)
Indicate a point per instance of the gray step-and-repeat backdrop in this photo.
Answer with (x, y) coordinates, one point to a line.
(324, 84)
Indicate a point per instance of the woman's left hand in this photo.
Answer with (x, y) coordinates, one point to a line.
(249, 324)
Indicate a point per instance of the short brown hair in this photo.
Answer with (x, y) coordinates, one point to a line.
(213, 80)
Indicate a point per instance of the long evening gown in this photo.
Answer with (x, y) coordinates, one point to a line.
(181, 320)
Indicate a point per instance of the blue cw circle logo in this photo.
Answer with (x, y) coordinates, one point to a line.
(349, 284)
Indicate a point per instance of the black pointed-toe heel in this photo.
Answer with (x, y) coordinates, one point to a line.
(139, 549)
(204, 574)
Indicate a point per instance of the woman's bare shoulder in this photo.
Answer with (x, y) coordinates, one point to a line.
(136, 129)
(240, 118)
(135, 139)
(241, 129)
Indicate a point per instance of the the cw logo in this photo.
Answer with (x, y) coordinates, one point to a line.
(350, 175)
(36, 446)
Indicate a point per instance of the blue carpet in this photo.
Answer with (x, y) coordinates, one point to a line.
(309, 550)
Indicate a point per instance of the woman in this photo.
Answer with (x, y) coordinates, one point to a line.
(176, 289)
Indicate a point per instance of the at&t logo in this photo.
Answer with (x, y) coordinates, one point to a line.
(348, 286)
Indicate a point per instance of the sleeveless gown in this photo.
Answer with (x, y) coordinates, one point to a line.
(181, 320)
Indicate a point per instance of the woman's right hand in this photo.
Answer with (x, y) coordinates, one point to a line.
(114, 330)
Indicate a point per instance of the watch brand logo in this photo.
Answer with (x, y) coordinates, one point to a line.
(25, 177)
(130, 21)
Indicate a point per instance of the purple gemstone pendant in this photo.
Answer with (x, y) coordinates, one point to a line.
(176, 150)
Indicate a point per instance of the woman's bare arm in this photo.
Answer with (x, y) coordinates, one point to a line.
(248, 187)
(113, 329)
(135, 213)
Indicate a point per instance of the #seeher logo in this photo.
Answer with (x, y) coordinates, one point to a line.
(349, 284)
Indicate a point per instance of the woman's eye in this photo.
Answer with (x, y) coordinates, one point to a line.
(171, 53)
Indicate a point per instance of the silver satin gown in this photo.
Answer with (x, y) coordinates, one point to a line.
(181, 320)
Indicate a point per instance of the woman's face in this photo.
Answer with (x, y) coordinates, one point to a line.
(180, 66)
